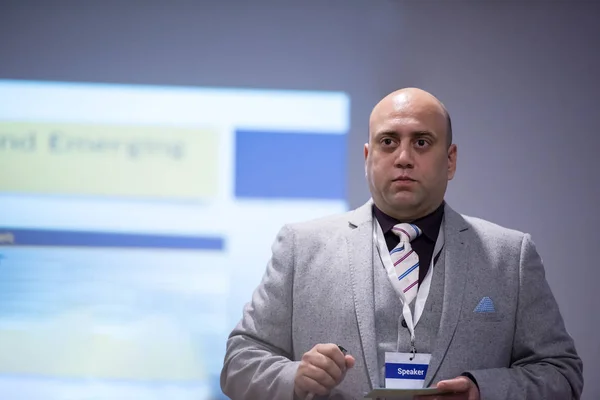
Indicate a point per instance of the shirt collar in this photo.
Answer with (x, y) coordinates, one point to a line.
(429, 224)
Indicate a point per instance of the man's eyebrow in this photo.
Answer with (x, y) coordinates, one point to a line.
(393, 133)
(387, 133)
(422, 133)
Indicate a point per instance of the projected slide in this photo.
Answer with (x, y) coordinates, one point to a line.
(135, 222)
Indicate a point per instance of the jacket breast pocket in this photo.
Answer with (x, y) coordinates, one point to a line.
(473, 316)
(484, 308)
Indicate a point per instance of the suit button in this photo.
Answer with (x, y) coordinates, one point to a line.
(404, 323)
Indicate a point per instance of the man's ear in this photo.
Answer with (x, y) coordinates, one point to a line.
(366, 150)
(452, 155)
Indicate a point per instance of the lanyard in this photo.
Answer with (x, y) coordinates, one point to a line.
(424, 287)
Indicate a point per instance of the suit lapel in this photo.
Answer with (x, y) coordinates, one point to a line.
(457, 255)
(360, 261)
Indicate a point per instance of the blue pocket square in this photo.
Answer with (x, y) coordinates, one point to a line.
(486, 305)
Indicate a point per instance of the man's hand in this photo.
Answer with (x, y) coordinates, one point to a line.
(461, 388)
(322, 368)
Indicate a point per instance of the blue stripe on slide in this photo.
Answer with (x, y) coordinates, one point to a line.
(60, 238)
(290, 165)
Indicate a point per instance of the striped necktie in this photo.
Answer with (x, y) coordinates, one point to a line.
(406, 261)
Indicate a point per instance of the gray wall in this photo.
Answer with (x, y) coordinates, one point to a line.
(522, 84)
(519, 78)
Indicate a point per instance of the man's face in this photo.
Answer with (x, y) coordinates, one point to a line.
(408, 162)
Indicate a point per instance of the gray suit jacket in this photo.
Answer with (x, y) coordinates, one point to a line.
(318, 288)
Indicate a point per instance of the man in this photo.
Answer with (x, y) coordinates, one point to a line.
(489, 322)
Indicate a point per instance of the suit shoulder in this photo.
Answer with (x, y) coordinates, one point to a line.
(322, 225)
(490, 230)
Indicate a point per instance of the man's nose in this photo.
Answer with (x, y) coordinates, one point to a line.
(404, 157)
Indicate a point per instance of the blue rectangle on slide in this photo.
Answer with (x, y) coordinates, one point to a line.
(290, 165)
(62, 238)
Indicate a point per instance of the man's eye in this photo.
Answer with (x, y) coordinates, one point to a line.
(387, 142)
(421, 142)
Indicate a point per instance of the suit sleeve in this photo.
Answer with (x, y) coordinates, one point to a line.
(544, 362)
(258, 356)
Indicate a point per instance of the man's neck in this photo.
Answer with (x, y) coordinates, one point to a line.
(429, 223)
(409, 218)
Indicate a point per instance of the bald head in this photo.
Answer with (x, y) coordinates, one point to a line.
(414, 100)
(410, 156)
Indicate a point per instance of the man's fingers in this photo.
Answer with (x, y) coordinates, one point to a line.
(326, 364)
(332, 351)
(309, 385)
(350, 361)
(449, 396)
(321, 369)
(321, 376)
(456, 385)
(457, 388)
